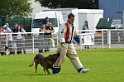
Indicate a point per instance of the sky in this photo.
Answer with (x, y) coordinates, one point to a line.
(36, 7)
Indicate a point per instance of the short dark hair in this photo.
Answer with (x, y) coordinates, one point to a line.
(86, 21)
(21, 25)
(46, 18)
(71, 15)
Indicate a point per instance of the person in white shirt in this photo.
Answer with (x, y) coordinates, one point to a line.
(19, 39)
(86, 27)
(23, 39)
(9, 39)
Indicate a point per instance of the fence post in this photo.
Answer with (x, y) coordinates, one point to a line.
(7, 40)
(33, 43)
(80, 42)
(109, 38)
(102, 39)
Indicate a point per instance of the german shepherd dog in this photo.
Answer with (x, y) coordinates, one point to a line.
(45, 62)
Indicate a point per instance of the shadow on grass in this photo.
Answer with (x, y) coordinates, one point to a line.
(37, 74)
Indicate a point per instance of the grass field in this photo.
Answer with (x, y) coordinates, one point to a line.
(106, 65)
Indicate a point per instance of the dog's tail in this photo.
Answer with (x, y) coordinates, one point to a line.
(32, 64)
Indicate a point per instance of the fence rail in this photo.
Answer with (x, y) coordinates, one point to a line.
(102, 39)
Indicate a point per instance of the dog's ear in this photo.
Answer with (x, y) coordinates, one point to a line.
(50, 57)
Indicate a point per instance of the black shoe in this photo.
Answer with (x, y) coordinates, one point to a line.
(2, 53)
(40, 51)
(19, 52)
(11, 53)
(46, 50)
(24, 52)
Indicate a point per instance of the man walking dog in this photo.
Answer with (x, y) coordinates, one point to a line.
(66, 33)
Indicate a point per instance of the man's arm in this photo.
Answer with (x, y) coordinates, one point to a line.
(61, 34)
(52, 31)
(76, 37)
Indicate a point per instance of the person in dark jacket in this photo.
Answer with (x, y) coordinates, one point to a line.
(46, 20)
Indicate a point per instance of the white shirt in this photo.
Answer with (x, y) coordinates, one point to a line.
(19, 35)
(8, 30)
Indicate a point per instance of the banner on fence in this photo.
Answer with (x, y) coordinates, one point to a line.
(87, 38)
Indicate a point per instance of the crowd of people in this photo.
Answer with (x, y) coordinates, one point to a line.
(15, 35)
(14, 41)
(45, 35)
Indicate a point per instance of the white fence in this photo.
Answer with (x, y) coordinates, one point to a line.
(112, 38)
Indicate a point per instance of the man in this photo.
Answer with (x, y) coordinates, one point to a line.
(48, 36)
(66, 48)
(46, 20)
(9, 39)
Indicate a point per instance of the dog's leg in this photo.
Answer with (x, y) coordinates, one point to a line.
(44, 70)
(47, 71)
(36, 68)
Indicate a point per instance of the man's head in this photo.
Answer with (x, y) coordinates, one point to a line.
(50, 24)
(5, 27)
(86, 23)
(71, 18)
(7, 24)
(16, 25)
(47, 24)
(47, 19)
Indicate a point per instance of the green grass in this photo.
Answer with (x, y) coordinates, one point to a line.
(106, 65)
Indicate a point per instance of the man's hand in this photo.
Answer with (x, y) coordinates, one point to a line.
(78, 43)
(63, 45)
(47, 31)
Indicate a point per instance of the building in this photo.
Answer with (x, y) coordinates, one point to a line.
(112, 8)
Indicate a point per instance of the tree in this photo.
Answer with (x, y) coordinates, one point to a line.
(15, 8)
(81, 4)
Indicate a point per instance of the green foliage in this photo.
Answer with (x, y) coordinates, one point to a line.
(106, 65)
(81, 4)
(15, 8)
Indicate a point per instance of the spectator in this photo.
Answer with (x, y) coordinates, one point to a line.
(2, 41)
(19, 39)
(51, 28)
(41, 38)
(2, 36)
(86, 27)
(48, 36)
(14, 30)
(46, 20)
(9, 39)
(23, 39)
(7, 24)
